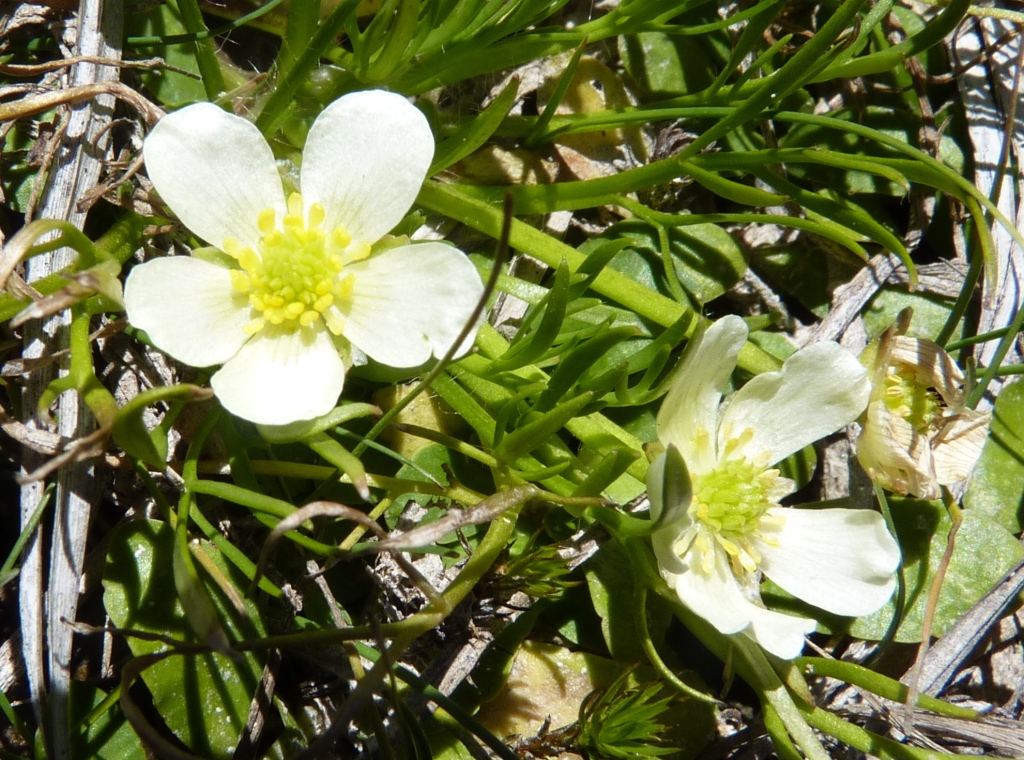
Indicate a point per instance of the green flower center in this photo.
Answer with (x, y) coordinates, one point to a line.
(729, 505)
(296, 274)
(908, 398)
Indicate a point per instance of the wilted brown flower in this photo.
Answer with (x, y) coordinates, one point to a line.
(917, 434)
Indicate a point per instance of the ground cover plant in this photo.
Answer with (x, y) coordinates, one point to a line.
(511, 378)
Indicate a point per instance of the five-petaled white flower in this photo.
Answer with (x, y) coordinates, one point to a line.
(713, 550)
(303, 292)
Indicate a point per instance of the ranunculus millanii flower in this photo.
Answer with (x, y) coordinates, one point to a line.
(304, 287)
(714, 552)
(916, 434)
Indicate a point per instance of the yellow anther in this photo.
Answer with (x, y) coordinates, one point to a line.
(232, 247)
(316, 216)
(294, 275)
(340, 237)
(707, 562)
(358, 252)
(334, 322)
(729, 546)
(266, 221)
(345, 286)
(240, 281)
(253, 327)
(747, 562)
(248, 259)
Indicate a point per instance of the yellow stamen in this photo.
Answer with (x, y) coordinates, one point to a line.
(295, 275)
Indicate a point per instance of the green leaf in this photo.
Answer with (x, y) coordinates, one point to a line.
(930, 313)
(130, 432)
(529, 345)
(537, 430)
(567, 373)
(665, 65)
(613, 593)
(99, 734)
(996, 487)
(799, 270)
(167, 86)
(204, 699)
(707, 261)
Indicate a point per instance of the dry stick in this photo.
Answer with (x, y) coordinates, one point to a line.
(956, 516)
(30, 105)
(31, 70)
(47, 641)
(950, 652)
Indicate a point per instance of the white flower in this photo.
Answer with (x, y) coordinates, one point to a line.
(303, 287)
(713, 550)
(917, 434)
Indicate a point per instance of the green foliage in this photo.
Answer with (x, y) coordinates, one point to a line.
(100, 730)
(625, 721)
(732, 131)
(996, 489)
(202, 697)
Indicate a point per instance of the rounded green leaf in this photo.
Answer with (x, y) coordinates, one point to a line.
(997, 486)
(204, 699)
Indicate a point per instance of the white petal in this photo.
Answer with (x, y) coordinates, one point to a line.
(782, 635)
(895, 455)
(716, 597)
(189, 309)
(819, 390)
(932, 366)
(365, 160)
(282, 377)
(692, 403)
(215, 171)
(719, 599)
(410, 303)
(957, 446)
(841, 560)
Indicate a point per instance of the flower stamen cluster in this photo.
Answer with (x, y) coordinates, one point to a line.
(294, 276)
(917, 434)
(729, 504)
(907, 397)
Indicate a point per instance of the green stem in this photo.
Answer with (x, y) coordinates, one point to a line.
(865, 741)
(876, 683)
(206, 53)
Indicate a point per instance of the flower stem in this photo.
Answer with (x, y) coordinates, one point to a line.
(206, 54)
